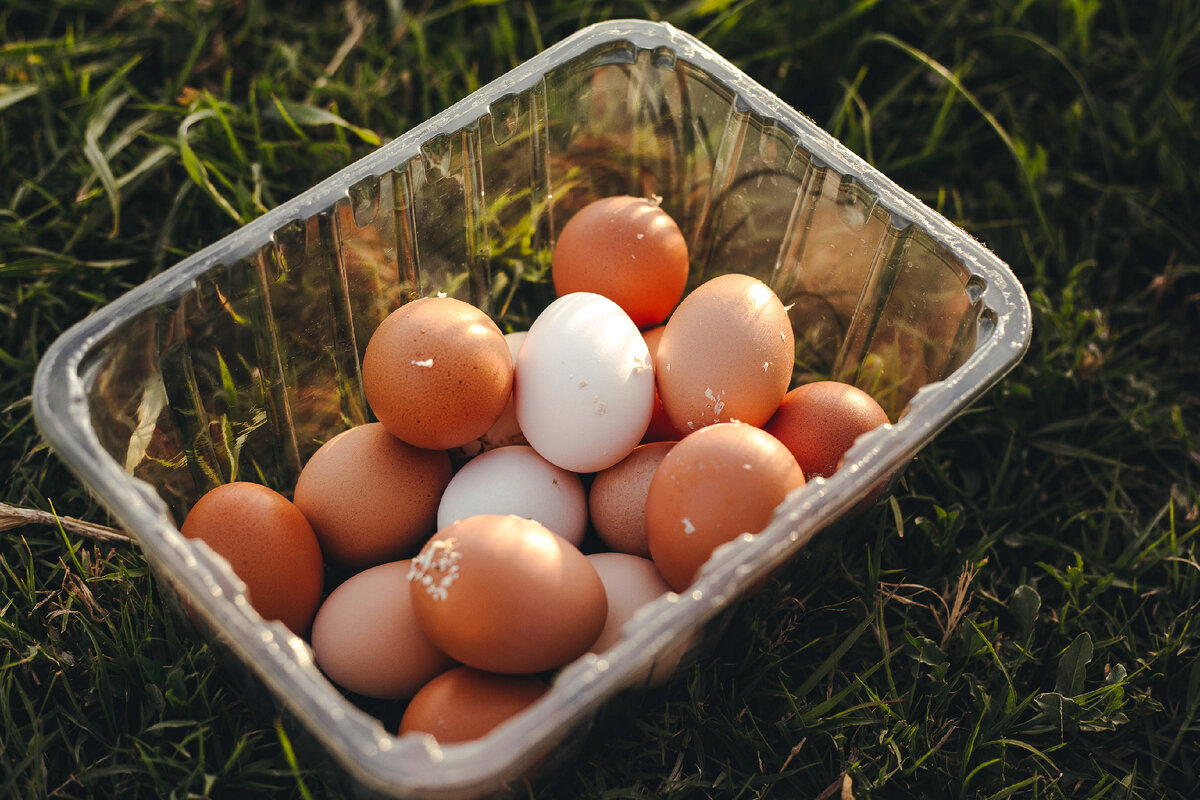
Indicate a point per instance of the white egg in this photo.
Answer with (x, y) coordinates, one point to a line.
(583, 383)
(516, 480)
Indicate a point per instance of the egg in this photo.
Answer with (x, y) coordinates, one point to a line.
(660, 429)
(516, 480)
(714, 485)
(726, 354)
(464, 704)
(370, 497)
(584, 383)
(505, 594)
(617, 499)
(819, 421)
(627, 249)
(631, 582)
(505, 430)
(269, 545)
(437, 373)
(366, 638)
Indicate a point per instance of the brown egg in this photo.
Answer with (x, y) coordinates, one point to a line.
(370, 497)
(660, 429)
(617, 499)
(437, 373)
(627, 249)
(631, 582)
(726, 354)
(716, 484)
(464, 704)
(504, 594)
(270, 546)
(366, 638)
(819, 422)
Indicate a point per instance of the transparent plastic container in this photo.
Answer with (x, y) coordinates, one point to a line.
(239, 360)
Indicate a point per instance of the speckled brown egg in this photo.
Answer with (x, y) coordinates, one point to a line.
(726, 354)
(370, 497)
(464, 703)
(716, 484)
(617, 499)
(437, 373)
(819, 421)
(366, 638)
(270, 546)
(505, 594)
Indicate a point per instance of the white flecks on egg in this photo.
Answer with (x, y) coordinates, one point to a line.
(427, 363)
(766, 366)
(688, 527)
(440, 556)
(582, 384)
(641, 236)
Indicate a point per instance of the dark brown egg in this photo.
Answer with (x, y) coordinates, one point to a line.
(464, 703)
(819, 422)
(270, 546)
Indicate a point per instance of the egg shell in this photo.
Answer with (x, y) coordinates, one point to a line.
(660, 429)
(505, 430)
(370, 497)
(464, 704)
(516, 480)
(617, 499)
(627, 249)
(269, 545)
(584, 386)
(631, 582)
(505, 594)
(819, 422)
(366, 638)
(715, 484)
(437, 373)
(726, 354)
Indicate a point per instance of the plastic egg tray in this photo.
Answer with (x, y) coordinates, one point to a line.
(244, 356)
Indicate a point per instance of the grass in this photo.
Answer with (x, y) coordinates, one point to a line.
(1017, 619)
